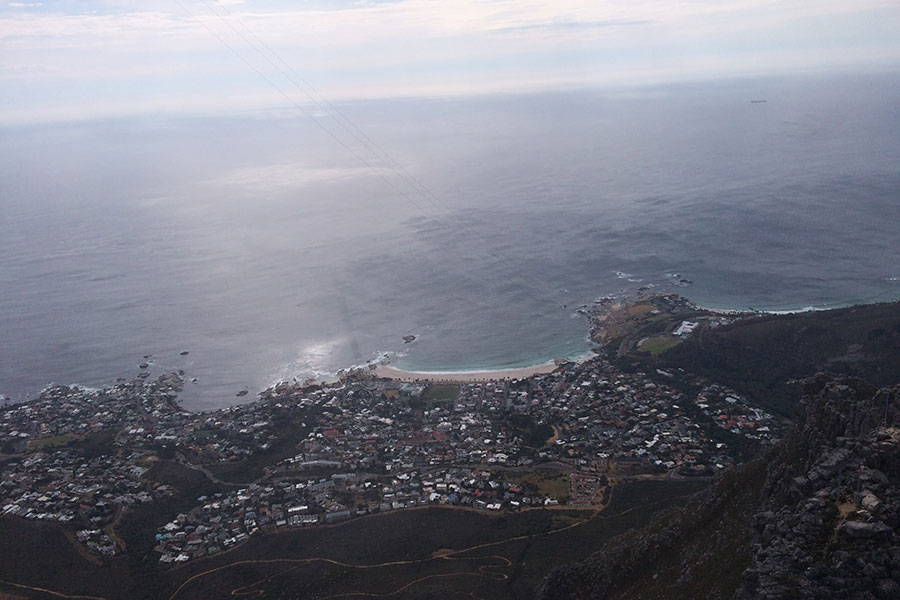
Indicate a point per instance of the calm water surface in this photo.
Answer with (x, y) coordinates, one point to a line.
(269, 251)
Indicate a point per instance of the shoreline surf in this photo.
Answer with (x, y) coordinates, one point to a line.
(472, 376)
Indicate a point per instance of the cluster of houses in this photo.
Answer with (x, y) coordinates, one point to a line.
(98, 541)
(354, 433)
(223, 520)
(67, 460)
(225, 435)
(734, 413)
(358, 446)
(67, 487)
(65, 413)
(603, 417)
(143, 413)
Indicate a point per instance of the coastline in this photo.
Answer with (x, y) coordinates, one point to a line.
(770, 311)
(389, 372)
(749, 311)
(881, 299)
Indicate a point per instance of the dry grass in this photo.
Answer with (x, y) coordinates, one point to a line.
(640, 310)
(548, 483)
(659, 344)
(53, 441)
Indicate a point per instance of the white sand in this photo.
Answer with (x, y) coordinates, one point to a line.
(464, 376)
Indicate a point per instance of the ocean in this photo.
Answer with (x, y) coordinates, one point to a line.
(272, 244)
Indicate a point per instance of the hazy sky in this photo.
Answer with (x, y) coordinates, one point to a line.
(75, 59)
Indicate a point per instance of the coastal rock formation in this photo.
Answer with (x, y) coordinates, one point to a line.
(816, 517)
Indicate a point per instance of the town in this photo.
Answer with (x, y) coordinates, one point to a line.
(306, 455)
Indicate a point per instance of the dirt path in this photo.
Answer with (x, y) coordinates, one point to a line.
(46, 591)
(444, 554)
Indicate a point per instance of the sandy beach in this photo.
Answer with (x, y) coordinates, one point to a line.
(464, 376)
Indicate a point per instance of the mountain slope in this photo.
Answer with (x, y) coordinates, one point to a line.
(816, 517)
(757, 356)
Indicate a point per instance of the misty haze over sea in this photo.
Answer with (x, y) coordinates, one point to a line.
(263, 247)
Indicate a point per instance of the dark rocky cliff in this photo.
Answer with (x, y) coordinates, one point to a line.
(816, 517)
(831, 510)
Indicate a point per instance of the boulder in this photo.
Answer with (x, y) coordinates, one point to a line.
(869, 500)
(860, 529)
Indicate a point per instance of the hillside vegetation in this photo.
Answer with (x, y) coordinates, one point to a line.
(758, 356)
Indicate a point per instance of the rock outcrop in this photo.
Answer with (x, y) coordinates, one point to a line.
(829, 522)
